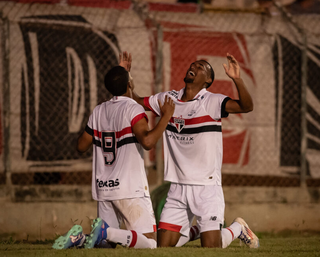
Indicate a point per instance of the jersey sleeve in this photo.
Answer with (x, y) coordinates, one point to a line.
(216, 106)
(152, 102)
(137, 113)
(89, 126)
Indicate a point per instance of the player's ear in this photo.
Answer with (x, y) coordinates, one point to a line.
(130, 86)
(209, 81)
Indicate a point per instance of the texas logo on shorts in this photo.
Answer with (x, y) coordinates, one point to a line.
(179, 123)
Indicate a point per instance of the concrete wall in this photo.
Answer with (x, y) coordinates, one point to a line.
(42, 212)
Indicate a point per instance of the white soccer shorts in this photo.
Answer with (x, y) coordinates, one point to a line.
(184, 202)
(135, 213)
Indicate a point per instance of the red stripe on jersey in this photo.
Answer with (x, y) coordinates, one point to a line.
(119, 134)
(97, 133)
(137, 118)
(168, 226)
(154, 228)
(134, 238)
(197, 120)
(123, 132)
(231, 233)
(146, 103)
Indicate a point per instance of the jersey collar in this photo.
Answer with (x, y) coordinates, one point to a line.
(197, 97)
(121, 98)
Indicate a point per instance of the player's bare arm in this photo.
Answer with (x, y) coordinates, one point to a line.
(125, 60)
(244, 104)
(84, 142)
(148, 138)
(139, 100)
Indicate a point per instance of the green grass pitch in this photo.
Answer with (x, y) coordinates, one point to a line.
(270, 245)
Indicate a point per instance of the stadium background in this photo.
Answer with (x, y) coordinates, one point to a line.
(54, 55)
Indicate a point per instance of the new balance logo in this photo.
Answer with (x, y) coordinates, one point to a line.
(213, 218)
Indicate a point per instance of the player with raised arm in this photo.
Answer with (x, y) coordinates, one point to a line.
(119, 131)
(193, 159)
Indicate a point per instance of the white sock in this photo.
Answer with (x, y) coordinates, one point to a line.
(230, 233)
(130, 238)
(194, 234)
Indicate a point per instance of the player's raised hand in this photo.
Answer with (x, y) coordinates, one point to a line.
(233, 68)
(167, 109)
(125, 60)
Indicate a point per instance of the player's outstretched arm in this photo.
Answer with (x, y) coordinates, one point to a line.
(244, 104)
(139, 100)
(84, 142)
(148, 138)
(125, 60)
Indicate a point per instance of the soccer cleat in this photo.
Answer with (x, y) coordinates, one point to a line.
(246, 235)
(73, 238)
(98, 233)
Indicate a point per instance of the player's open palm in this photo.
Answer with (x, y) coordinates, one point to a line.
(233, 68)
(125, 60)
(167, 108)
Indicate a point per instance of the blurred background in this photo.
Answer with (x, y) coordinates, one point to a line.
(55, 53)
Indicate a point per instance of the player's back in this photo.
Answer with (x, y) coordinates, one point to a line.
(117, 156)
(114, 115)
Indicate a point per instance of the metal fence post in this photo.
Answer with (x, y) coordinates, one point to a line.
(6, 99)
(304, 84)
(158, 87)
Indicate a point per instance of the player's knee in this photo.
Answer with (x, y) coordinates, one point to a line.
(211, 239)
(167, 238)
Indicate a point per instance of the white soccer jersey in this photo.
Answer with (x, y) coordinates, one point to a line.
(117, 162)
(193, 137)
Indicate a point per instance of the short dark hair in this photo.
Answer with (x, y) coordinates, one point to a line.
(211, 73)
(116, 80)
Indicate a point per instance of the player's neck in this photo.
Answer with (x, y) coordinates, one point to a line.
(190, 92)
(128, 93)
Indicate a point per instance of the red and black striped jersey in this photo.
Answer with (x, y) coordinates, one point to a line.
(117, 163)
(193, 138)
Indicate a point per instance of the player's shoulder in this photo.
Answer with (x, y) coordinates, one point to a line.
(98, 107)
(134, 106)
(209, 95)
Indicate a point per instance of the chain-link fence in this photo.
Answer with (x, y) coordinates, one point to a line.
(54, 57)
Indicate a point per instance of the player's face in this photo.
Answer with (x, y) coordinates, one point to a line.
(198, 73)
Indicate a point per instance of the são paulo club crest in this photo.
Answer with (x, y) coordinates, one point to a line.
(179, 123)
